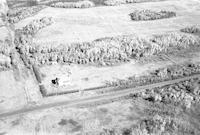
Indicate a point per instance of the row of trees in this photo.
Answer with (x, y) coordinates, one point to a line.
(79, 4)
(109, 50)
(17, 14)
(145, 15)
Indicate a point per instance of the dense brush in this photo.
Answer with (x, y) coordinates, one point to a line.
(119, 2)
(109, 51)
(79, 4)
(191, 29)
(145, 15)
(17, 14)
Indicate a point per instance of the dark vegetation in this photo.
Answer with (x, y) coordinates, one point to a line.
(79, 4)
(36, 25)
(183, 93)
(146, 15)
(105, 51)
(29, 3)
(163, 74)
(119, 2)
(17, 14)
(6, 52)
(191, 29)
(166, 110)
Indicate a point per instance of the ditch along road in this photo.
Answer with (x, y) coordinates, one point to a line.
(97, 99)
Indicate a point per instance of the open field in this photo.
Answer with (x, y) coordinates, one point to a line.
(93, 23)
(111, 67)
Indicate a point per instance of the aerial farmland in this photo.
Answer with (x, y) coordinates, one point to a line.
(100, 67)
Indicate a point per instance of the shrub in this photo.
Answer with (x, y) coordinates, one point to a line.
(33, 27)
(140, 1)
(18, 14)
(119, 2)
(5, 49)
(114, 2)
(161, 74)
(79, 4)
(5, 62)
(191, 29)
(24, 36)
(177, 40)
(108, 51)
(145, 15)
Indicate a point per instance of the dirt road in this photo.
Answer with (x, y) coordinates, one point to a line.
(100, 98)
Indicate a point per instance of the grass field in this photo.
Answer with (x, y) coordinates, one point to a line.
(57, 50)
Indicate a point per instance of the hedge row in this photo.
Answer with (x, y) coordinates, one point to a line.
(17, 14)
(145, 15)
(191, 29)
(109, 51)
(79, 4)
(24, 36)
(119, 2)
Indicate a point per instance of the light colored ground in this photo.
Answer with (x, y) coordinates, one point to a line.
(74, 25)
(92, 120)
(12, 93)
(75, 77)
(17, 90)
(77, 25)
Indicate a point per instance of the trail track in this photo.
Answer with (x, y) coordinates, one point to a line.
(103, 97)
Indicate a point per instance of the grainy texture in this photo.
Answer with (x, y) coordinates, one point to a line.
(17, 14)
(79, 4)
(163, 74)
(109, 51)
(6, 38)
(191, 29)
(119, 2)
(146, 15)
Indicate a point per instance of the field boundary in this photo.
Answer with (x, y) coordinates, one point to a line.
(100, 98)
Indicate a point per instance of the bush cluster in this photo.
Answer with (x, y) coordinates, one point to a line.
(5, 62)
(191, 29)
(79, 4)
(119, 2)
(6, 49)
(24, 36)
(175, 40)
(183, 93)
(163, 74)
(107, 51)
(114, 2)
(145, 15)
(157, 121)
(18, 14)
(36, 25)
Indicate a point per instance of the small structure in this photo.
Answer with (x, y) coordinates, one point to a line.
(61, 81)
(55, 81)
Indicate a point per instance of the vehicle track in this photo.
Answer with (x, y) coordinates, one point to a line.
(103, 97)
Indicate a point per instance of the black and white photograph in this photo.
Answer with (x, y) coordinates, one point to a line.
(99, 67)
